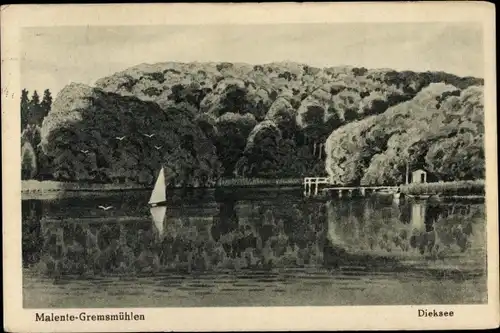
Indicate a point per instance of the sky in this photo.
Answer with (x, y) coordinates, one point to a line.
(53, 57)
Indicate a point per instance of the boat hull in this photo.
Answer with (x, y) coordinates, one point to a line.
(158, 204)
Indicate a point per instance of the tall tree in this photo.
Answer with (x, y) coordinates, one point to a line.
(45, 104)
(35, 98)
(28, 162)
(34, 109)
(25, 101)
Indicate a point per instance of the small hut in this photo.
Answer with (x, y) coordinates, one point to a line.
(419, 176)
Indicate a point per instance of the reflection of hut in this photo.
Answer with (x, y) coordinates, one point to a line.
(419, 176)
(418, 216)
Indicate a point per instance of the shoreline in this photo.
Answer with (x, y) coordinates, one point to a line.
(35, 186)
(32, 189)
(49, 186)
(459, 189)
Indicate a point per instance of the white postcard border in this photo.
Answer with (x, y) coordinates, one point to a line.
(17, 319)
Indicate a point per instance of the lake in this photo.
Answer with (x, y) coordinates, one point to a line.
(259, 247)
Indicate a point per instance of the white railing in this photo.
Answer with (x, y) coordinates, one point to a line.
(311, 184)
(310, 181)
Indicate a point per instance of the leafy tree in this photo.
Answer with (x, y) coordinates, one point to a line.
(25, 101)
(123, 139)
(262, 150)
(232, 133)
(460, 157)
(35, 111)
(28, 162)
(31, 134)
(359, 71)
(152, 91)
(192, 94)
(46, 103)
(282, 114)
(208, 125)
(334, 121)
(35, 98)
(312, 119)
(447, 141)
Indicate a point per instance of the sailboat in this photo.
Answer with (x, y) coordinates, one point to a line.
(157, 202)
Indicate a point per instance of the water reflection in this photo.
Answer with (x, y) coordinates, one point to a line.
(158, 216)
(426, 229)
(32, 238)
(247, 234)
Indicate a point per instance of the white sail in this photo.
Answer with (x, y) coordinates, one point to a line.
(158, 215)
(158, 194)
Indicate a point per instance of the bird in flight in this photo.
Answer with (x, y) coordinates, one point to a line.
(84, 151)
(149, 135)
(158, 147)
(120, 138)
(105, 207)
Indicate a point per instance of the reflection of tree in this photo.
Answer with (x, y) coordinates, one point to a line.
(226, 221)
(32, 239)
(444, 227)
(271, 236)
(285, 234)
(29, 162)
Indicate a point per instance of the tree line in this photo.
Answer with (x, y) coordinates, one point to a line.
(34, 110)
(35, 164)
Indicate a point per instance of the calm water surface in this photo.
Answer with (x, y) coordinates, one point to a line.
(251, 248)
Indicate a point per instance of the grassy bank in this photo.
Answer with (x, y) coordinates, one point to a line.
(35, 186)
(456, 188)
(251, 182)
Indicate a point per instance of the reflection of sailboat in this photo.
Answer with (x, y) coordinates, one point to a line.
(157, 202)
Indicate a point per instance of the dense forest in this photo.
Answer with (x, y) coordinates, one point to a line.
(204, 121)
(441, 130)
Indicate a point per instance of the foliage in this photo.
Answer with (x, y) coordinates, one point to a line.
(371, 122)
(24, 108)
(440, 130)
(28, 162)
(33, 111)
(102, 137)
(261, 152)
(32, 135)
(282, 113)
(232, 133)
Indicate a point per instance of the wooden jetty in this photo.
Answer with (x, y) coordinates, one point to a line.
(312, 187)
